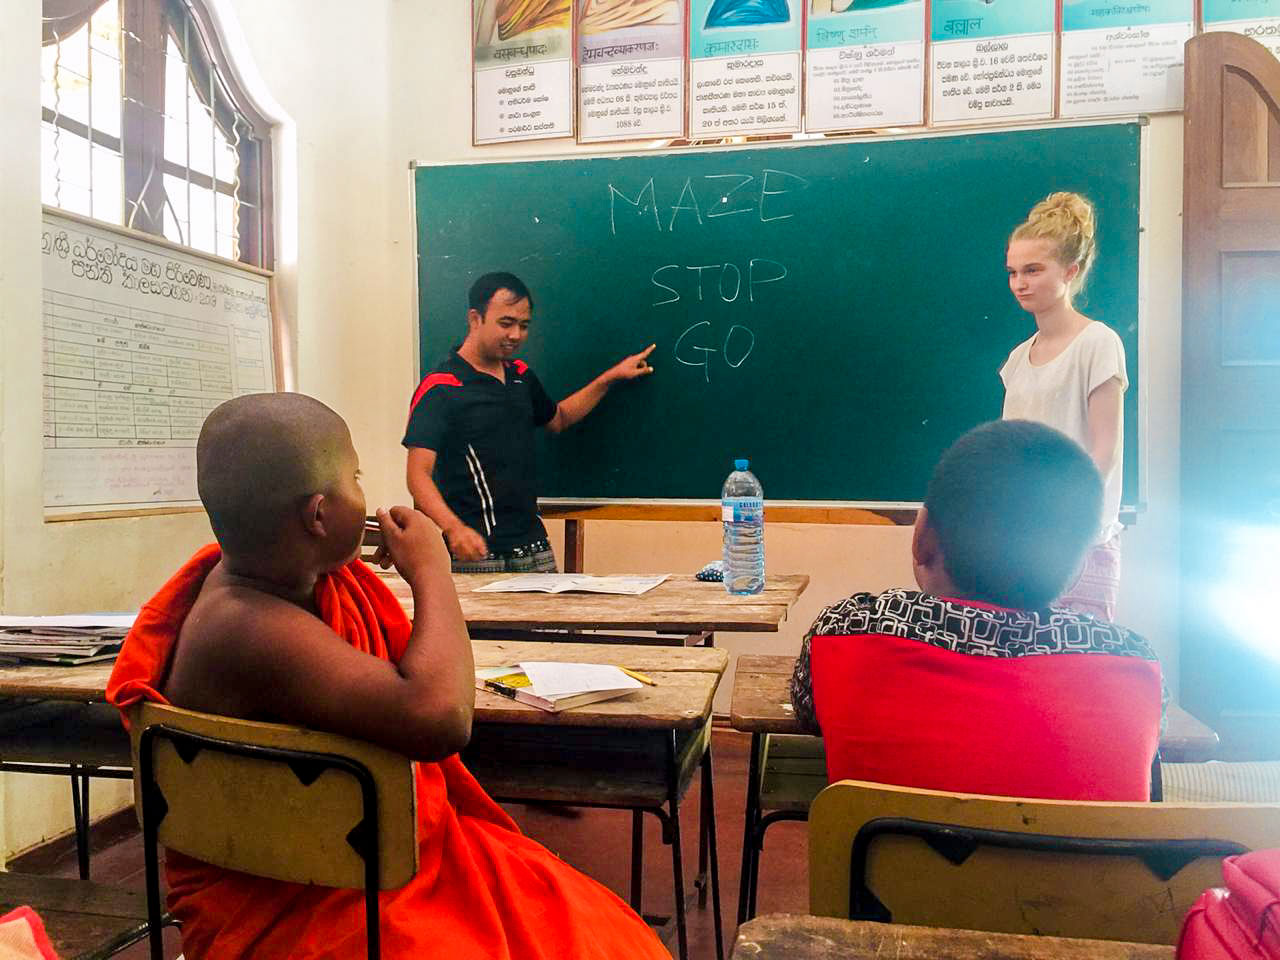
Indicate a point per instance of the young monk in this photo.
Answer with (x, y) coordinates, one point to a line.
(280, 621)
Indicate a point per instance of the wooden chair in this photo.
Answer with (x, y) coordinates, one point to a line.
(1109, 871)
(275, 801)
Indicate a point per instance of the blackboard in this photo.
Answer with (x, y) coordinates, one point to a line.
(836, 312)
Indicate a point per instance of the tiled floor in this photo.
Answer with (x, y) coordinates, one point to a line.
(598, 843)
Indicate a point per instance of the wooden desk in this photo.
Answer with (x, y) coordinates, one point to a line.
(784, 937)
(686, 682)
(761, 705)
(659, 737)
(681, 604)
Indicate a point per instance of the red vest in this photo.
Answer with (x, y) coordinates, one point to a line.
(1078, 726)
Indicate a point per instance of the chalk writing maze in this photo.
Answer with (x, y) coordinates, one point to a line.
(638, 208)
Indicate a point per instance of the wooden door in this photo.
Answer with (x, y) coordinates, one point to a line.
(1231, 384)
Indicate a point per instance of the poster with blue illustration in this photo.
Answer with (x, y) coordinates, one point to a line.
(864, 64)
(991, 60)
(630, 69)
(522, 62)
(744, 66)
(1123, 58)
(1259, 19)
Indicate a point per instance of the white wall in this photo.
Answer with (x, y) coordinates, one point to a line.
(365, 95)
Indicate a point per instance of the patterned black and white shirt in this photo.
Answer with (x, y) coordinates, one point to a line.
(957, 626)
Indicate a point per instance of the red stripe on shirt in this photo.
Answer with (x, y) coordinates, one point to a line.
(429, 381)
(520, 366)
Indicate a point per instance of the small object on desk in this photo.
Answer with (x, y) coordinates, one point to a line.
(713, 572)
(637, 675)
(564, 582)
(556, 686)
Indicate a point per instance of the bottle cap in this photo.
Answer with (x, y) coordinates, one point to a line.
(741, 464)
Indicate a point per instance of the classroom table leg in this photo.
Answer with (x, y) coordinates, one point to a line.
(575, 545)
(637, 857)
(710, 833)
(80, 817)
(677, 861)
(747, 884)
(706, 816)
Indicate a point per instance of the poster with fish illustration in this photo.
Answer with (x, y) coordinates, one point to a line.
(744, 66)
(991, 60)
(630, 69)
(864, 64)
(1123, 58)
(523, 70)
(1259, 19)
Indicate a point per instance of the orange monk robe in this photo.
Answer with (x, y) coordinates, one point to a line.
(483, 889)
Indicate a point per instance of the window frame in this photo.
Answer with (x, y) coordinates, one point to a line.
(145, 29)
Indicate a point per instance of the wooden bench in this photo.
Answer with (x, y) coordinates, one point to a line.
(783, 937)
(84, 920)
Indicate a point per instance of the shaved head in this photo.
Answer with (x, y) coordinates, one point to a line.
(259, 457)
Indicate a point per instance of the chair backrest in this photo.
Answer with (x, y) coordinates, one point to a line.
(1022, 866)
(275, 801)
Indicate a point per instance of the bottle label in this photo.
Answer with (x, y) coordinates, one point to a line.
(742, 510)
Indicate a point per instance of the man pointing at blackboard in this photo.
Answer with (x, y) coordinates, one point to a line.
(471, 430)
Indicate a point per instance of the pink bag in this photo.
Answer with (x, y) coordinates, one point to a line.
(1242, 921)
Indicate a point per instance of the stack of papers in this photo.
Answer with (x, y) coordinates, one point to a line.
(68, 640)
(564, 582)
(555, 686)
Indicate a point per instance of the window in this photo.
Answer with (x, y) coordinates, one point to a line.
(144, 127)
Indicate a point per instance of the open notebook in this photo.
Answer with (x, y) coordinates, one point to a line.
(556, 686)
(565, 582)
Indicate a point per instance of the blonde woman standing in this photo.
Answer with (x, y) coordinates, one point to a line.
(1070, 374)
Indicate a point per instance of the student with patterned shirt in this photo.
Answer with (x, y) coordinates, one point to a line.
(974, 683)
(471, 428)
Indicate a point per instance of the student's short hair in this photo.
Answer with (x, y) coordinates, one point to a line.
(1014, 505)
(485, 287)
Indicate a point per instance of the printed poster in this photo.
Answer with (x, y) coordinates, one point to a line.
(991, 60)
(630, 69)
(864, 64)
(523, 70)
(744, 66)
(1123, 57)
(1259, 19)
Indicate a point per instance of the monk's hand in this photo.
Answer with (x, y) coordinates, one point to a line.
(636, 365)
(466, 544)
(412, 542)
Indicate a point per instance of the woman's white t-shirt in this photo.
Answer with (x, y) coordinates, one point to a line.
(1057, 394)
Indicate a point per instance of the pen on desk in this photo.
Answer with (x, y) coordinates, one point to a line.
(637, 675)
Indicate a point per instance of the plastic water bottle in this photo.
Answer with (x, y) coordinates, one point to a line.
(742, 512)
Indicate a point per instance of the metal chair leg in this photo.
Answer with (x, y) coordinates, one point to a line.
(708, 792)
(677, 861)
(637, 857)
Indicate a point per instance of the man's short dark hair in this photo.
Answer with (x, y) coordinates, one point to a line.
(483, 289)
(1015, 505)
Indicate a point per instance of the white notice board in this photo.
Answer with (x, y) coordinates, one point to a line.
(141, 340)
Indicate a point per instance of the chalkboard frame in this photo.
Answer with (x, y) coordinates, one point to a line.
(837, 510)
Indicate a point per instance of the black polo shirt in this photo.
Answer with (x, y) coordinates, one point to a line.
(482, 431)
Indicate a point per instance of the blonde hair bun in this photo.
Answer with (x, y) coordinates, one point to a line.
(1067, 221)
